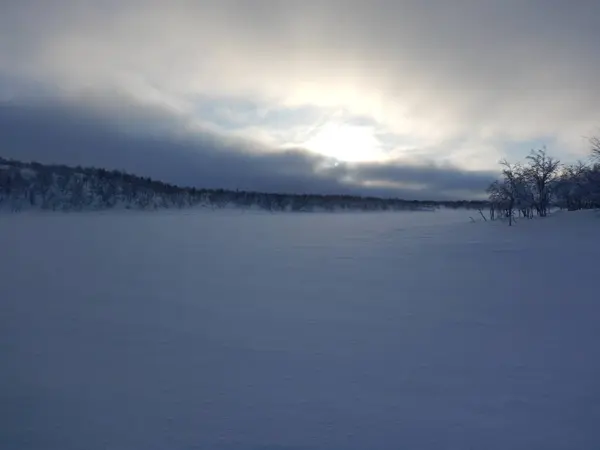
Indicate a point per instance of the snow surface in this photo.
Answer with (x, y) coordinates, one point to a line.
(231, 331)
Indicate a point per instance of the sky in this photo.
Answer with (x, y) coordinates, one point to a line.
(402, 98)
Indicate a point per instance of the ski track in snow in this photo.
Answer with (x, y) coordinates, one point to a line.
(233, 331)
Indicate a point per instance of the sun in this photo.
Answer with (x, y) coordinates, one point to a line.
(345, 142)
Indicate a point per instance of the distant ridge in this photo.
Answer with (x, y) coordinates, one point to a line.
(31, 185)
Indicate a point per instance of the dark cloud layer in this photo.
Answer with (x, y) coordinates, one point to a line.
(105, 135)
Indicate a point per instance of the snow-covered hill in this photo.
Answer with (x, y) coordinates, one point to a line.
(26, 186)
(238, 331)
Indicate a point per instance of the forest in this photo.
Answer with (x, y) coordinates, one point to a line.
(31, 185)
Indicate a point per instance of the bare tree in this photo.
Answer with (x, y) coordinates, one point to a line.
(572, 187)
(542, 172)
(496, 197)
(595, 143)
(505, 194)
(542, 181)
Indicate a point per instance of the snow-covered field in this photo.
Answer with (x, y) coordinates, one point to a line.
(232, 331)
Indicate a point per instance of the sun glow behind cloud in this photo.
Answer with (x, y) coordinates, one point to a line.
(346, 142)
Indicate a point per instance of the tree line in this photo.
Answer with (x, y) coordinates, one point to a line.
(25, 185)
(542, 182)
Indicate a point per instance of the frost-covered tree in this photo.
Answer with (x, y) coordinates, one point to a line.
(572, 187)
(542, 172)
(595, 144)
(507, 194)
(525, 188)
(542, 181)
(578, 185)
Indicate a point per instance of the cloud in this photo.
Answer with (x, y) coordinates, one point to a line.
(59, 131)
(460, 82)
